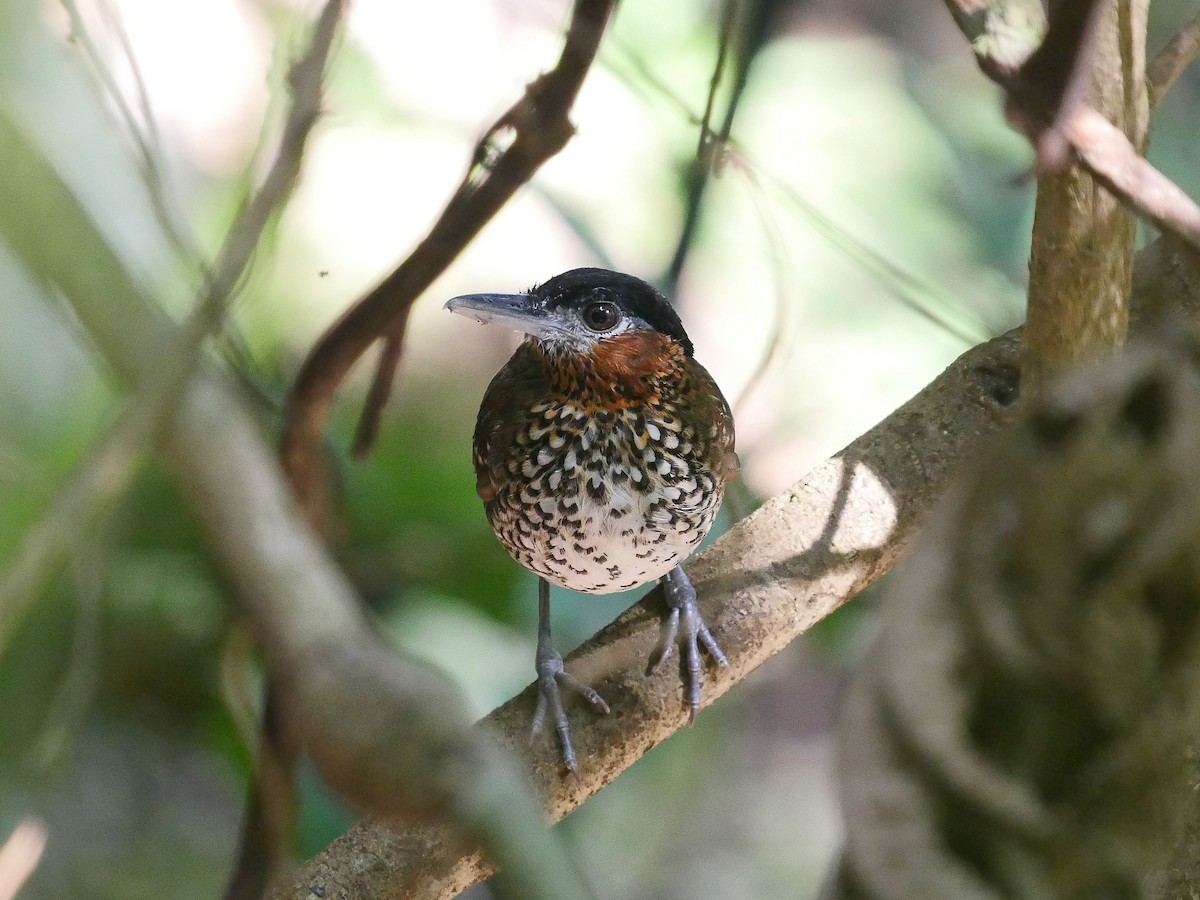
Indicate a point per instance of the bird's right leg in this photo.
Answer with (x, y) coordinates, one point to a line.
(550, 677)
(685, 623)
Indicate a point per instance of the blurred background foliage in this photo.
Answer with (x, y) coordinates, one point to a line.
(869, 223)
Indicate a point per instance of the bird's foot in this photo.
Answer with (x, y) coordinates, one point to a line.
(551, 681)
(685, 625)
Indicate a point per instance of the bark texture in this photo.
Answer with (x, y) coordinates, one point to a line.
(1081, 260)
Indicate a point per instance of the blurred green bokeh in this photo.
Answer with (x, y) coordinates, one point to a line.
(871, 177)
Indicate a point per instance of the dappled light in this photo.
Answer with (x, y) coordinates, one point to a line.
(250, 604)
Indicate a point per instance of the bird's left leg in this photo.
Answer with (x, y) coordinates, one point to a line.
(550, 677)
(685, 624)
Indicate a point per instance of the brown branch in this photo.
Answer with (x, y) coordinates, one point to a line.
(1082, 246)
(385, 731)
(1003, 33)
(1094, 46)
(1054, 82)
(1046, 98)
(1047, 101)
(796, 559)
(764, 583)
(529, 133)
(1171, 60)
(1105, 152)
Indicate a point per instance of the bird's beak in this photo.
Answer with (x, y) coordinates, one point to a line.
(520, 312)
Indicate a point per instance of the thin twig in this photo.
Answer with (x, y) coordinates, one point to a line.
(911, 290)
(1105, 152)
(1054, 83)
(144, 135)
(1171, 61)
(530, 132)
(1047, 99)
(919, 295)
(105, 475)
(386, 731)
(709, 145)
(305, 80)
(783, 272)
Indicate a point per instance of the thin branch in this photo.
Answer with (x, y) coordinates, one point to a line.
(106, 474)
(1171, 61)
(530, 132)
(77, 686)
(1047, 100)
(709, 145)
(911, 290)
(388, 733)
(783, 273)
(915, 293)
(147, 143)
(86, 499)
(305, 80)
(1096, 48)
(1055, 81)
(19, 856)
(1105, 152)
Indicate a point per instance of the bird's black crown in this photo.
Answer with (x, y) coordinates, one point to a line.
(636, 298)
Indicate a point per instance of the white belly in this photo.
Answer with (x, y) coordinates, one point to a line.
(587, 517)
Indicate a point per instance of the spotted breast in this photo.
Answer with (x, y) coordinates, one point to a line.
(607, 468)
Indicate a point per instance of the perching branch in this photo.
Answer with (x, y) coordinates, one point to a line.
(529, 133)
(760, 586)
(795, 560)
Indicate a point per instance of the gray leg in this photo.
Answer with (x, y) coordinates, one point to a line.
(550, 677)
(681, 600)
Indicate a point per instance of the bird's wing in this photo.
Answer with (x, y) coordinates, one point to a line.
(713, 408)
(504, 409)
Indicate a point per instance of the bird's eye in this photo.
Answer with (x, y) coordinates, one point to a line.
(601, 315)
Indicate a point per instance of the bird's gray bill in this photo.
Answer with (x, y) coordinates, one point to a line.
(521, 312)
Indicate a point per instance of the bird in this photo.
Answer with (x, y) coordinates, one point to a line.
(601, 453)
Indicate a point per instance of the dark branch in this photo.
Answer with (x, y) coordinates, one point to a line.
(529, 133)
(1047, 100)
(755, 19)
(1053, 84)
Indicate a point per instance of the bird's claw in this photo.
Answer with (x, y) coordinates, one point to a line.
(685, 625)
(552, 680)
